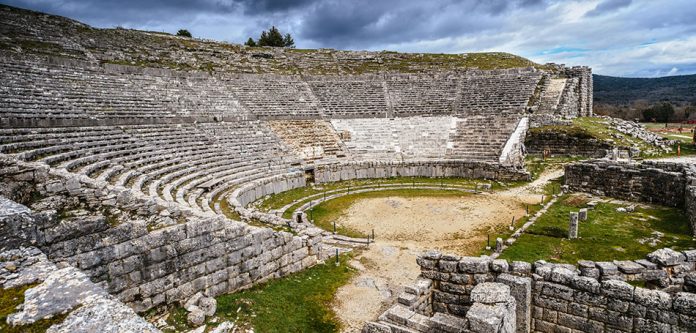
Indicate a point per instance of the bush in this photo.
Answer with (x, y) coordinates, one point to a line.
(272, 38)
(183, 33)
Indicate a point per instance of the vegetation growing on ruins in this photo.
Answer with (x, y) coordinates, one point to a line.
(599, 129)
(10, 299)
(272, 38)
(183, 33)
(300, 302)
(607, 235)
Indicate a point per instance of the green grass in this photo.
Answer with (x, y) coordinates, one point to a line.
(536, 165)
(329, 211)
(504, 232)
(9, 300)
(606, 235)
(300, 302)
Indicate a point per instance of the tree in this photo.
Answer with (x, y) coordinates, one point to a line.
(183, 33)
(288, 41)
(660, 112)
(273, 38)
(250, 42)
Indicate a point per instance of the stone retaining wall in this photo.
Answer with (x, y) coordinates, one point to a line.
(559, 143)
(433, 169)
(651, 182)
(589, 297)
(146, 267)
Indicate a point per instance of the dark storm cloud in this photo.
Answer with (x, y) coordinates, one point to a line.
(615, 37)
(368, 23)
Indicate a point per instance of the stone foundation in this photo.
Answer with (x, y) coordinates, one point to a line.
(147, 264)
(479, 294)
(431, 169)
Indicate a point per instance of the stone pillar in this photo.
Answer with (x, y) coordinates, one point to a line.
(498, 245)
(582, 215)
(573, 226)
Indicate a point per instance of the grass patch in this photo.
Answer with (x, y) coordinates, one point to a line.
(300, 302)
(536, 165)
(606, 235)
(9, 300)
(504, 232)
(329, 211)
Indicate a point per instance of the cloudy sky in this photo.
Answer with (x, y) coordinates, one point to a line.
(645, 38)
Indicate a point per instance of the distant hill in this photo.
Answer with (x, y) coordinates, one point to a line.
(623, 91)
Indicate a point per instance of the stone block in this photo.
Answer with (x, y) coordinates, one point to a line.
(666, 257)
(474, 265)
(653, 298)
(489, 293)
(521, 267)
(607, 268)
(484, 318)
(629, 267)
(618, 289)
(685, 303)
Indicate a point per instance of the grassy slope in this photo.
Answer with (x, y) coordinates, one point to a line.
(300, 302)
(153, 49)
(606, 235)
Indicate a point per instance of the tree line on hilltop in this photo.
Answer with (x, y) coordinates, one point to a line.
(273, 37)
(665, 99)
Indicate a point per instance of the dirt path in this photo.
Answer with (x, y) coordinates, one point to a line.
(405, 227)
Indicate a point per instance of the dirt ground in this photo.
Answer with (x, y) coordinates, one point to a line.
(405, 227)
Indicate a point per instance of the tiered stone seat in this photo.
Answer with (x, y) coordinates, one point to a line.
(345, 98)
(395, 139)
(175, 162)
(275, 96)
(480, 138)
(500, 94)
(309, 139)
(34, 89)
(422, 95)
(551, 95)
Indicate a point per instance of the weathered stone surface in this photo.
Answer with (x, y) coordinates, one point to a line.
(101, 314)
(490, 293)
(63, 290)
(196, 316)
(473, 265)
(666, 257)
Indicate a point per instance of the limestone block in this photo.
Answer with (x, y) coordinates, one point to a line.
(473, 265)
(685, 303)
(654, 299)
(484, 318)
(196, 317)
(489, 293)
(618, 289)
(666, 257)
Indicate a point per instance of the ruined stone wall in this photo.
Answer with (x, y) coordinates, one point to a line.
(365, 170)
(560, 143)
(569, 106)
(146, 265)
(588, 297)
(651, 182)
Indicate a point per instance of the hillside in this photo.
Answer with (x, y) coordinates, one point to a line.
(623, 91)
(28, 32)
